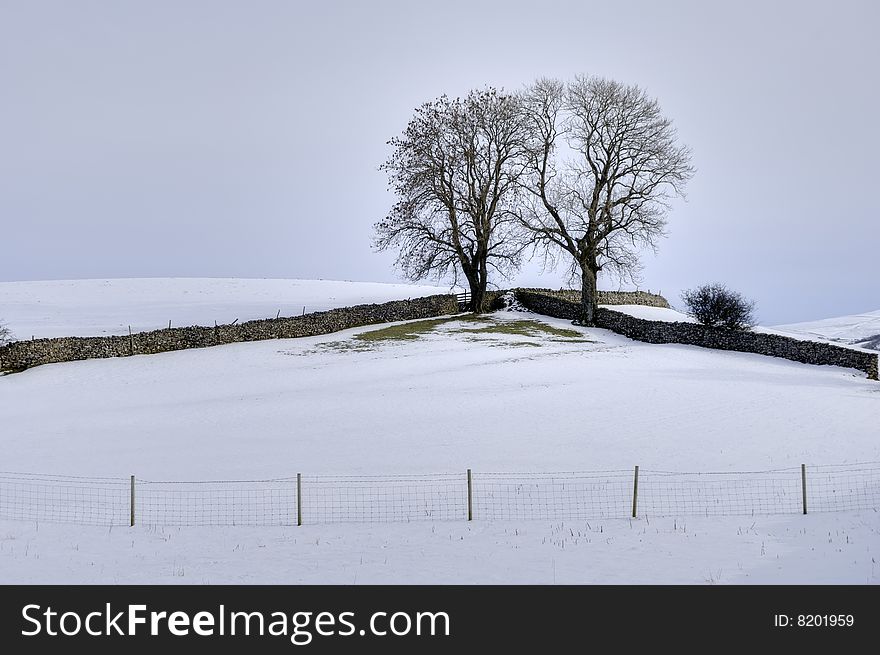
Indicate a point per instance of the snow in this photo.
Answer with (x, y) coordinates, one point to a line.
(443, 402)
(81, 308)
(816, 548)
(665, 314)
(857, 329)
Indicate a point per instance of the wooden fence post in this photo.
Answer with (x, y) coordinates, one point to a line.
(635, 491)
(299, 497)
(132, 501)
(470, 497)
(804, 485)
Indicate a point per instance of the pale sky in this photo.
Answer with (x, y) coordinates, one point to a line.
(242, 139)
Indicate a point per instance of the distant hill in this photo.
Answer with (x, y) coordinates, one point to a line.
(80, 308)
(861, 330)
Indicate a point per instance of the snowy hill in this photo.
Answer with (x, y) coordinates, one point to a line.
(511, 392)
(81, 308)
(861, 330)
(454, 397)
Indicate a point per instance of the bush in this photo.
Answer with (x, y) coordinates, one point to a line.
(715, 304)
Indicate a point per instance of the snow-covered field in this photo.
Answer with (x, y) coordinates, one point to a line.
(456, 395)
(443, 402)
(82, 308)
(653, 313)
(817, 548)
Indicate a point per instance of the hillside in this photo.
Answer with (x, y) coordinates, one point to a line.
(512, 392)
(443, 400)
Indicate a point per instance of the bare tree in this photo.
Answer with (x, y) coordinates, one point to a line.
(455, 173)
(609, 197)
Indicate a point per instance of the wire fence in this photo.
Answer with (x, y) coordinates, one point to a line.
(230, 502)
(481, 496)
(64, 499)
(575, 495)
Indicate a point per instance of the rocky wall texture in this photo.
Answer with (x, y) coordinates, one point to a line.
(694, 334)
(608, 297)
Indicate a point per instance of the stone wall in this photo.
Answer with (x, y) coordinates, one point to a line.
(631, 298)
(774, 345)
(494, 300)
(608, 297)
(21, 355)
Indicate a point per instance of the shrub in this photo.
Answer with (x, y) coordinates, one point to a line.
(715, 304)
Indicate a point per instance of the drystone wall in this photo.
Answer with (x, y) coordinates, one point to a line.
(694, 334)
(608, 297)
(21, 355)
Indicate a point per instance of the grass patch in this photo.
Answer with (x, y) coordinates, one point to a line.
(404, 332)
(472, 327)
(477, 325)
(522, 328)
(340, 347)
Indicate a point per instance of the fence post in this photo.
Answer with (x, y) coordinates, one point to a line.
(635, 491)
(470, 497)
(299, 499)
(804, 485)
(132, 501)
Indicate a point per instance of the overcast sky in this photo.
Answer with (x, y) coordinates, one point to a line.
(242, 139)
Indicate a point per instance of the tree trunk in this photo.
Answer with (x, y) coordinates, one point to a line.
(588, 296)
(478, 283)
(478, 292)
